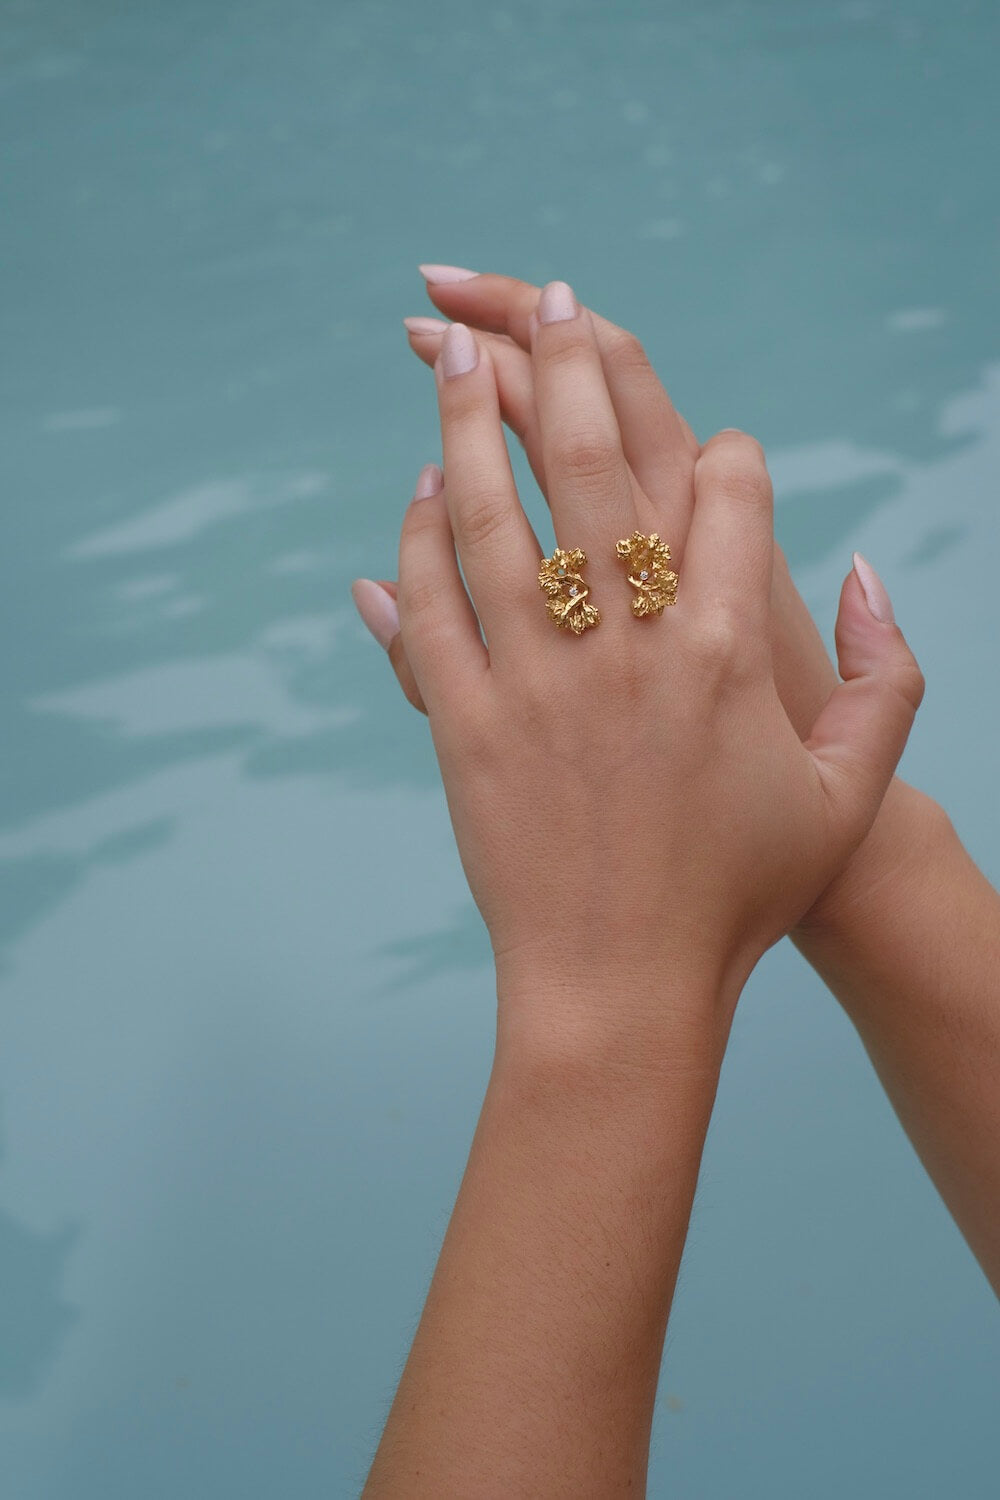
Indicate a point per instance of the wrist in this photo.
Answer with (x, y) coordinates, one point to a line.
(888, 871)
(587, 1029)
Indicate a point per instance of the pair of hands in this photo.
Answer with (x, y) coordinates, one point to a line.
(661, 797)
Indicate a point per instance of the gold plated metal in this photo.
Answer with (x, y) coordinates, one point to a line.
(561, 581)
(647, 559)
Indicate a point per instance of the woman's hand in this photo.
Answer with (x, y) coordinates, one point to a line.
(633, 801)
(638, 820)
(661, 450)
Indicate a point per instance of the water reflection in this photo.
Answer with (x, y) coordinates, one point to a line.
(462, 945)
(34, 1318)
(33, 885)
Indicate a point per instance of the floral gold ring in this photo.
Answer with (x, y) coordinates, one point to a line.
(647, 559)
(566, 591)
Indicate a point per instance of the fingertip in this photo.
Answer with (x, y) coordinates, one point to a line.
(377, 608)
(438, 275)
(876, 595)
(865, 617)
(868, 644)
(425, 327)
(430, 481)
(459, 351)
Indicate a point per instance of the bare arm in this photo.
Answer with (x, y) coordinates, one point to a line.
(909, 942)
(534, 1369)
(567, 760)
(908, 938)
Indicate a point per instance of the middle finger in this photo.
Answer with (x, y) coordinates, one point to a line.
(592, 495)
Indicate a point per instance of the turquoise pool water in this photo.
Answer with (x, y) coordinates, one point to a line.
(245, 1003)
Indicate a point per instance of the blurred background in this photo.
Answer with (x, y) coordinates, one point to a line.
(246, 1006)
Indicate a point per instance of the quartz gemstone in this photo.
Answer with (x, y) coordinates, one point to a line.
(573, 590)
(644, 575)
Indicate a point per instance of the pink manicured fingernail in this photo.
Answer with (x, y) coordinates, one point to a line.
(874, 590)
(459, 353)
(444, 275)
(424, 325)
(377, 609)
(557, 303)
(430, 482)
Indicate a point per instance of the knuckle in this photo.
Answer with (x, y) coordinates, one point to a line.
(911, 683)
(483, 518)
(422, 600)
(717, 642)
(568, 347)
(739, 475)
(585, 455)
(625, 353)
(736, 440)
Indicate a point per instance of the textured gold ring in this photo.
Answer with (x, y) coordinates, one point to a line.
(647, 560)
(566, 592)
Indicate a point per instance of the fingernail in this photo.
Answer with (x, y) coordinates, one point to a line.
(459, 354)
(430, 482)
(557, 303)
(874, 590)
(425, 325)
(445, 275)
(377, 609)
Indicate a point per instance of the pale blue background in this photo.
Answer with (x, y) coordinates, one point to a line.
(246, 1006)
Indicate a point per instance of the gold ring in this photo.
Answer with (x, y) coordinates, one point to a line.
(646, 558)
(561, 581)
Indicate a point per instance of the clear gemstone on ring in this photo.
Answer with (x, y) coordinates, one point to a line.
(644, 575)
(573, 590)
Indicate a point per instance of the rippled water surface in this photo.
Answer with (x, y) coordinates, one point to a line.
(245, 1002)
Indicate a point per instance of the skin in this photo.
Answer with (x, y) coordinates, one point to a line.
(907, 936)
(637, 826)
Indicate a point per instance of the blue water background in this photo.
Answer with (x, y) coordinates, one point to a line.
(246, 1005)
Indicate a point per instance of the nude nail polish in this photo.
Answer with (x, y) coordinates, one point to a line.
(874, 590)
(429, 482)
(377, 609)
(557, 303)
(424, 325)
(446, 275)
(459, 353)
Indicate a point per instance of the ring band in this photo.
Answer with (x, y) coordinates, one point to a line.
(566, 591)
(647, 559)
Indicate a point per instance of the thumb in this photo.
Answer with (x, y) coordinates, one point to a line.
(861, 731)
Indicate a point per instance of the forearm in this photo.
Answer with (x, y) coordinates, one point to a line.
(910, 945)
(534, 1369)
